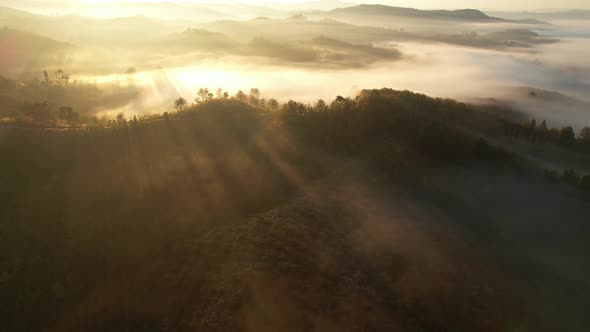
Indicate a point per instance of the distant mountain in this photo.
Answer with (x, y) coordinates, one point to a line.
(550, 96)
(383, 10)
(16, 42)
(164, 9)
(521, 35)
(311, 52)
(318, 5)
(11, 12)
(577, 14)
(82, 30)
(299, 27)
(500, 40)
(199, 39)
(24, 51)
(557, 108)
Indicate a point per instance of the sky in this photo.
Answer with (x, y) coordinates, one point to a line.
(507, 5)
(510, 5)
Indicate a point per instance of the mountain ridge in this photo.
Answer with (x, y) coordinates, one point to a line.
(384, 10)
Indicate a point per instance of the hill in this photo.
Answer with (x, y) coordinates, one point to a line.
(7, 12)
(21, 42)
(313, 52)
(415, 20)
(387, 210)
(578, 14)
(23, 51)
(29, 101)
(81, 30)
(299, 28)
(552, 106)
(382, 10)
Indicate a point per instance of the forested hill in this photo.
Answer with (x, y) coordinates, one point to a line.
(387, 211)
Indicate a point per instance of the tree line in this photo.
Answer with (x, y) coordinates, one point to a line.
(542, 134)
(55, 100)
(204, 95)
(437, 127)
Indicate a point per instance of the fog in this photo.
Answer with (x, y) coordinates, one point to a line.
(469, 74)
(465, 55)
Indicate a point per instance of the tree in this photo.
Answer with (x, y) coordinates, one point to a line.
(62, 77)
(533, 124)
(553, 134)
(219, 93)
(68, 115)
(543, 126)
(203, 95)
(180, 104)
(341, 104)
(320, 106)
(551, 175)
(121, 119)
(293, 108)
(570, 176)
(254, 96)
(273, 104)
(567, 136)
(39, 112)
(584, 135)
(241, 96)
(65, 112)
(254, 92)
(131, 71)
